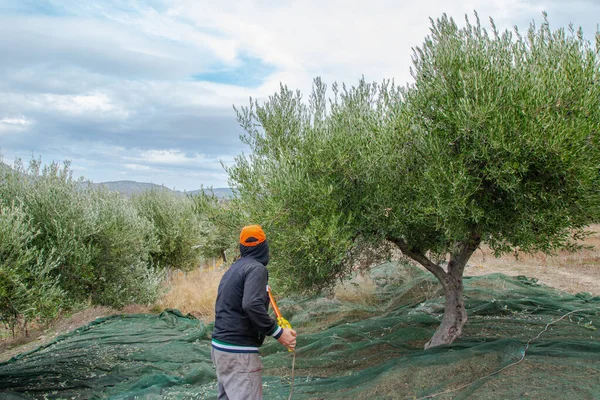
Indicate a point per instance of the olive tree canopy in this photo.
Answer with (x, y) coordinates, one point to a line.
(496, 141)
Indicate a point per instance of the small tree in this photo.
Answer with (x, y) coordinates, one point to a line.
(177, 228)
(496, 141)
(122, 243)
(222, 222)
(28, 291)
(82, 244)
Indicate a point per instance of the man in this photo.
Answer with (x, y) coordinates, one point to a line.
(242, 321)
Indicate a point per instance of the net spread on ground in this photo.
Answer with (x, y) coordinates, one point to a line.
(368, 348)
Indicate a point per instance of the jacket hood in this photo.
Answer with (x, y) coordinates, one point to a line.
(259, 252)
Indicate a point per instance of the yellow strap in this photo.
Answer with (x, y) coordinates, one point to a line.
(284, 323)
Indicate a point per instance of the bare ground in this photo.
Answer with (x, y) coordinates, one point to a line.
(572, 273)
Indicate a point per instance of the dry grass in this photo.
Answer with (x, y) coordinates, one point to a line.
(359, 290)
(570, 272)
(193, 292)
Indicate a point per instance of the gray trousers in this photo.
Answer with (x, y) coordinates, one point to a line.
(239, 375)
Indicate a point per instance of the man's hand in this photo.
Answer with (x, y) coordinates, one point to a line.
(288, 338)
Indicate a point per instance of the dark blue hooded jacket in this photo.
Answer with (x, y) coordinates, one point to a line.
(241, 317)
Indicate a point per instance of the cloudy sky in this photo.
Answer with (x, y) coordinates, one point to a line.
(143, 90)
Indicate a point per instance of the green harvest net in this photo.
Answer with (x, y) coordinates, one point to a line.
(364, 349)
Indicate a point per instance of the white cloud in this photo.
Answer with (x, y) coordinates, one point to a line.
(95, 105)
(79, 104)
(110, 87)
(173, 157)
(164, 26)
(14, 124)
(137, 167)
(337, 40)
(15, 121)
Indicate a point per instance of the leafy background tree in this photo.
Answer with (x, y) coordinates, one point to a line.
(66, 246)
(223, 220)
(496, 141)
(122, 242)
(28, 289)
(179, 229)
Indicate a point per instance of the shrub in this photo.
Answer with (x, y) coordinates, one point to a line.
(179, 230)
(96, 242)
(121, 242)
(223, 220)
(28, 289)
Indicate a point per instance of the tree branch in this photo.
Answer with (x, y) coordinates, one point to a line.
(419, 257)
(458, 260)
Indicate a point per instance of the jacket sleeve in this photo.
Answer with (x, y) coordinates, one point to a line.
(255, 287)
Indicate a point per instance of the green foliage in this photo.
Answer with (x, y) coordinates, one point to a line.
(65, 244)
(123, 242)
(308, 179)
(222, 220)
(27, 288)
(512, 122)
(58, 212)
(68, 245)
(179, 229)
(496, 140)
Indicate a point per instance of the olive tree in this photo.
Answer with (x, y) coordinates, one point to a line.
(28, 291)
(223, 221)
(496, 141)
(178, 228)
(69, 245)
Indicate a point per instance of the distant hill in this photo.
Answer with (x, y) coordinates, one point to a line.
(222, 193)
(5, 168)
(130, 188)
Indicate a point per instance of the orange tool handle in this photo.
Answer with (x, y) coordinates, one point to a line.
(273, 303)
(282, 322)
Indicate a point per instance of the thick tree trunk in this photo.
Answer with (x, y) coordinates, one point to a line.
(455, 315)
